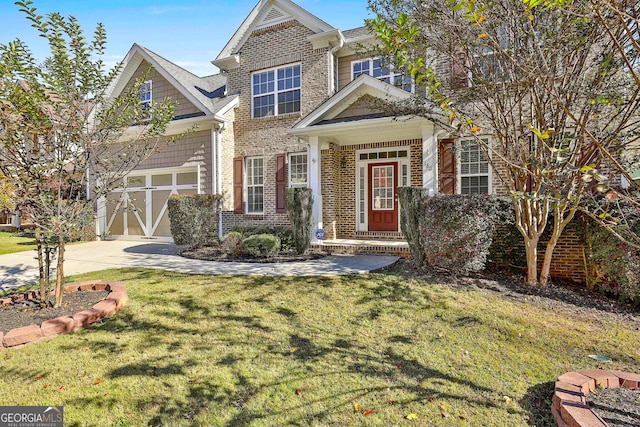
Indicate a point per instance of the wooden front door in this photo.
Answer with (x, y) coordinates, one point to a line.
(383, 204)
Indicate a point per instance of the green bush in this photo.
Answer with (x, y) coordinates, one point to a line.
(284, 232)
(612, 266)
(454, 232)
(299, 203)
(194, 219)
(261, 245)
(232, 243)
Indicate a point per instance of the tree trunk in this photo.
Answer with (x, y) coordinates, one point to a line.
(44, 296)
(60, 273)
(559, 224)
(531, 249)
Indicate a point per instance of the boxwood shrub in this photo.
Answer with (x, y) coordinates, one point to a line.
(283, 232)
(194, 219)
(261, 245)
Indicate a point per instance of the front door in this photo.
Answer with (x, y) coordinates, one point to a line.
(383, 204)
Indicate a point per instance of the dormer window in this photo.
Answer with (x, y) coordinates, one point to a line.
(375, 67)
(276, 91)
(145, 95)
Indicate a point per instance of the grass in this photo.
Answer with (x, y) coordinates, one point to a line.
(237, 351)
(13, 242)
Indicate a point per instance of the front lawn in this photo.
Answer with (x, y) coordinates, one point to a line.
(13, 242)
(358, 350)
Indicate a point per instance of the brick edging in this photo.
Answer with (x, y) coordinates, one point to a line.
(570, 407)
(115, 300)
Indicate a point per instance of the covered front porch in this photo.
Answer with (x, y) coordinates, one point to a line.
(358, 157)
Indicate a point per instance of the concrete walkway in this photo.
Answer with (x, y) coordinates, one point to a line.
(20, 269)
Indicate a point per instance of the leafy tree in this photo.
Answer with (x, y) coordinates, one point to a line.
(546, 85)
(65, 142)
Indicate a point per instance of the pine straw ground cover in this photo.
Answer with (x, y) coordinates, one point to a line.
(377, 350)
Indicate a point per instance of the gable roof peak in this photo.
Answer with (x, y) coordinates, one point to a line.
(267, 13)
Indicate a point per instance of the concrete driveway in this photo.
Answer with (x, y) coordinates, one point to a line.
(20, 269)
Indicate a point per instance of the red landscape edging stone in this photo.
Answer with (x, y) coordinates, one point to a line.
(569, 396)
(115, 300)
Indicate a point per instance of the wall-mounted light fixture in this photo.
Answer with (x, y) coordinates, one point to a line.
(343, 162)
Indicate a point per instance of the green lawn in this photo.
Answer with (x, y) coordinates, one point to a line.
(237, 351)
(12, 242)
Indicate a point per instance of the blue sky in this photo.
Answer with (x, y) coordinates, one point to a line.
(189, 33)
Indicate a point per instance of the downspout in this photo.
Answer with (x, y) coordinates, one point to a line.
(333, 73)
(217, 188)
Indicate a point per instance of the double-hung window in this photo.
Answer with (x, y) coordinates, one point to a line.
(298, 170)
(376, 68)
(255, 185)
(475, 177)
(276, 91)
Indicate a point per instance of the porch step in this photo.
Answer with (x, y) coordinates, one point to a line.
(398, 248)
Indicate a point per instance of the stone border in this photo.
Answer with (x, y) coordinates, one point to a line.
(115, 300)
(570, 407)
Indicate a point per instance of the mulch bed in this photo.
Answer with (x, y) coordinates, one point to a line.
(28, 312)
(213, 253)
(619, 407)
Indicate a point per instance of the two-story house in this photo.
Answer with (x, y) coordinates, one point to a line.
(294, 105)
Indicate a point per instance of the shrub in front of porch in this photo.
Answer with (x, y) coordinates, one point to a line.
(299, 204)
(454, 232)
(283, 232)
(261, 245)
(194, 218)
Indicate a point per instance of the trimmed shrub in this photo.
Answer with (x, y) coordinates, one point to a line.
(194, 219)
(232, 243)
(453, 232)
(261, 245)
(284, 232)
(612, 266)
(299, 203)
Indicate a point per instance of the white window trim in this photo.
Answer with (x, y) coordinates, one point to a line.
(275, 91)
(459, 167)
(290, 174)
(150, 92)
(246, 185)
(364, 226)
(392, 75)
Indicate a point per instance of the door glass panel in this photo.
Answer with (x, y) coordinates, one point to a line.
(166, 179)
(136, 213)
(159, 202)
(382, 197)
(115, 213)
(188, 178)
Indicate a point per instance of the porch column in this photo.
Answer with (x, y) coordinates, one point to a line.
(430, 158)
(315, 184)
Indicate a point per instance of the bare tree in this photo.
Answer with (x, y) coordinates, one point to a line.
(544, 93)
(65, 141)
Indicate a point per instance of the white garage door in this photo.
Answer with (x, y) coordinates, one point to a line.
(139, 210)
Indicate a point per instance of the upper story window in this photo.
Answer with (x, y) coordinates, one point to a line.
(475, 175)
(276, 91)
(298, 170)
(255, 185)
(376, 68)
(145, 95)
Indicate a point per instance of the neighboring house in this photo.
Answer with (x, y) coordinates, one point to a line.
(293, 106)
